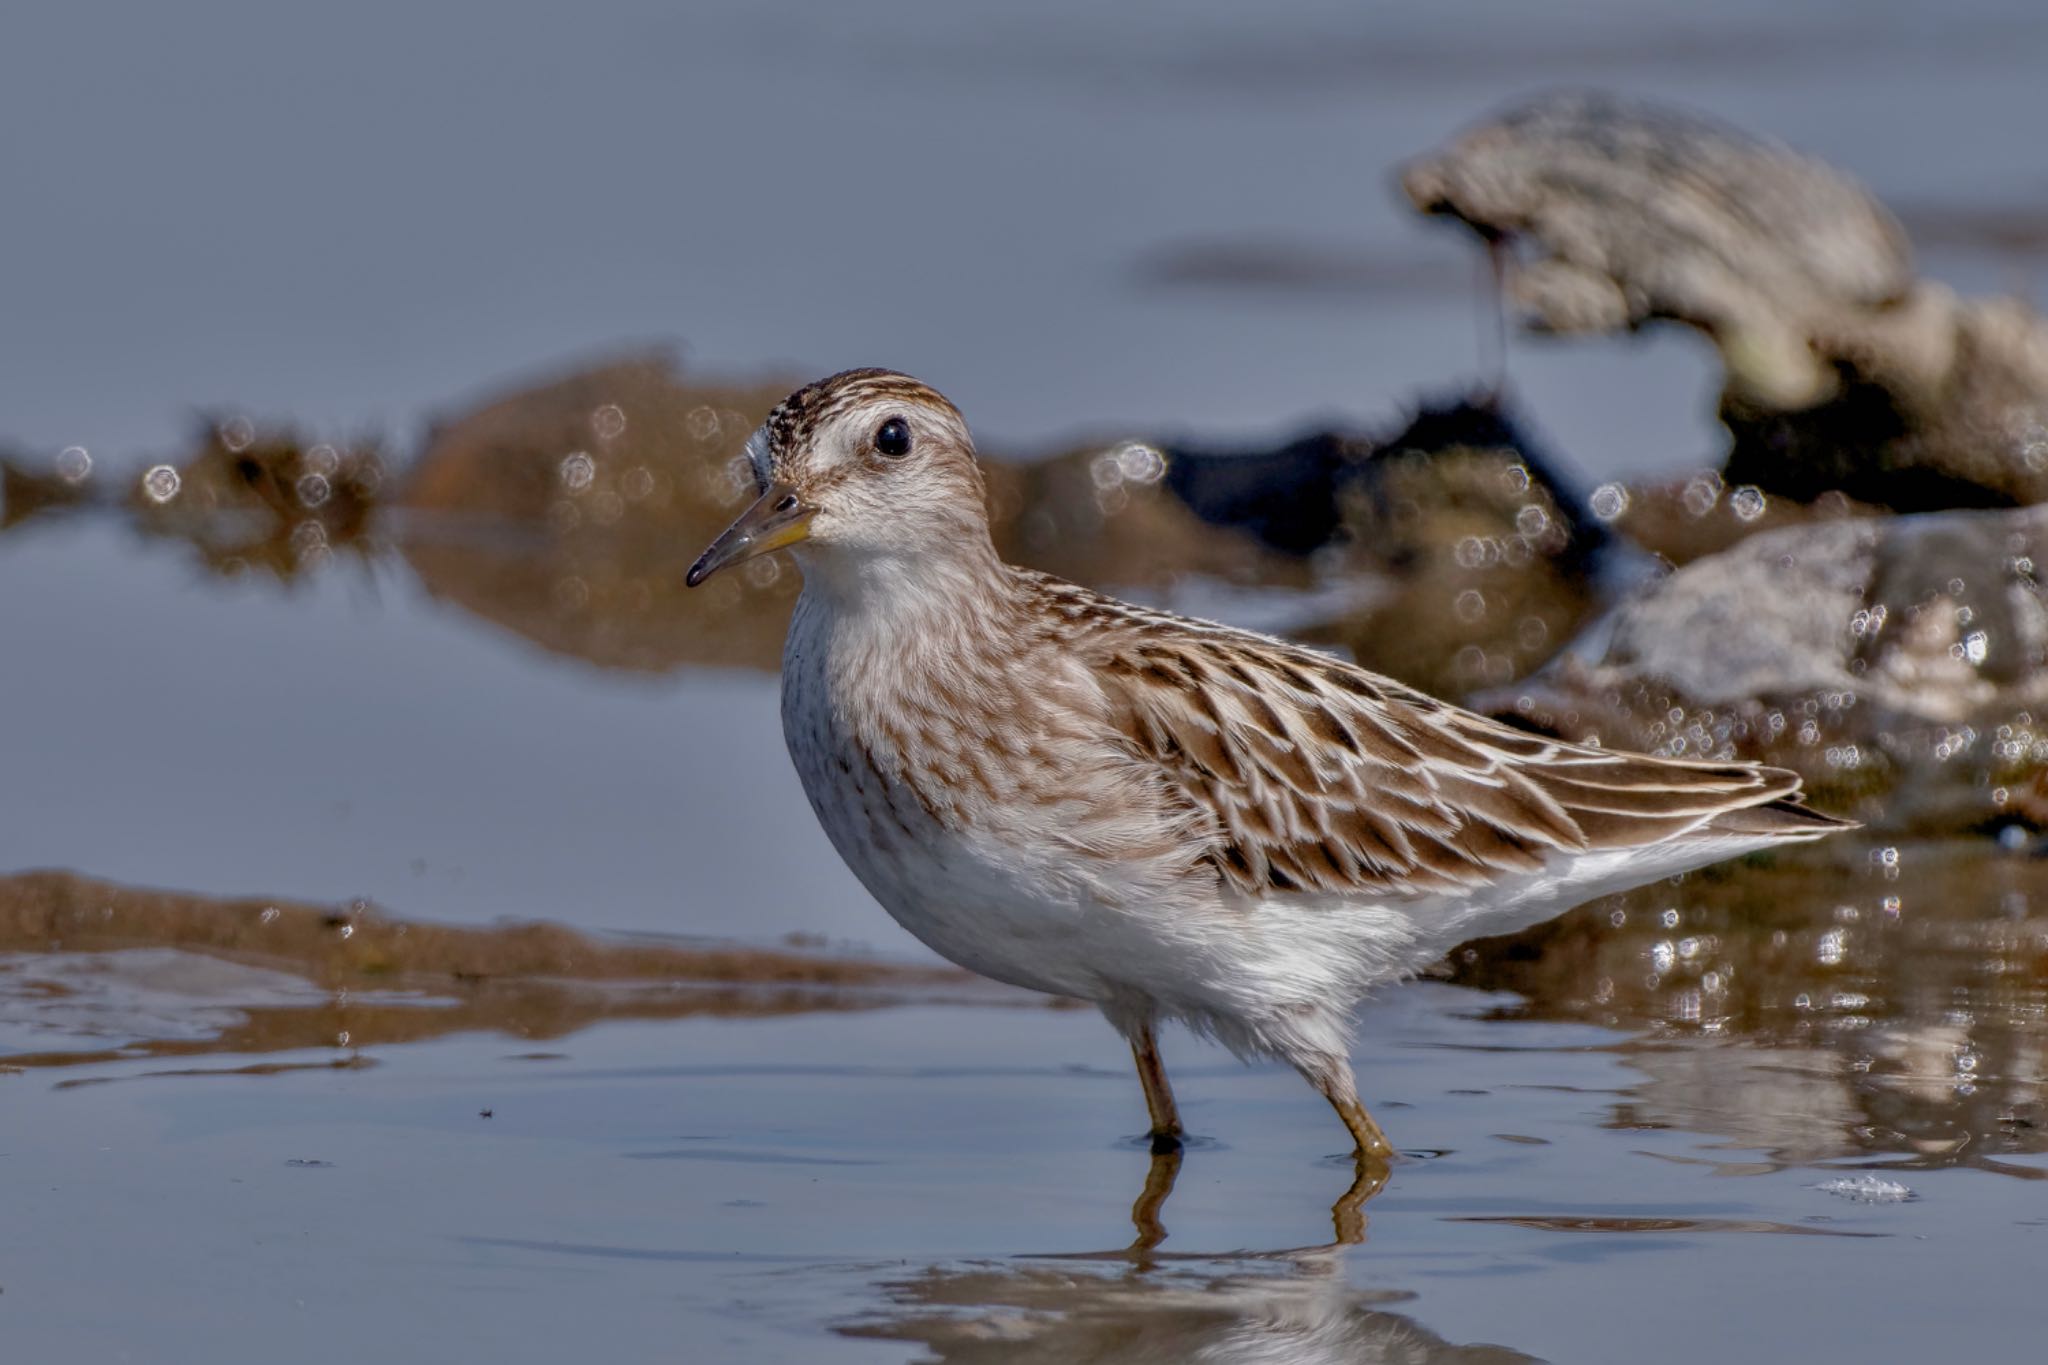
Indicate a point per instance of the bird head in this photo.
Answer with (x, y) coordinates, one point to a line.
(867, 466)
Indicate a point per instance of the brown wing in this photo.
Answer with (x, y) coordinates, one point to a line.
(1322, 777)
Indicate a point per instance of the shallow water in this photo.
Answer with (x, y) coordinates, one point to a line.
(353, 1108)
(332, 1096)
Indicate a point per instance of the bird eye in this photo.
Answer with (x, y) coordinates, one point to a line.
(892, 438)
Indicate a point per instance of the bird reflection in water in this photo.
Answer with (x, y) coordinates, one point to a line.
(1294, 1307)
(1347, 1215)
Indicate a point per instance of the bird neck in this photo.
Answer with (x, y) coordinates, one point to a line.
(881, 610)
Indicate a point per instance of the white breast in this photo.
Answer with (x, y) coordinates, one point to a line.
(995, 905)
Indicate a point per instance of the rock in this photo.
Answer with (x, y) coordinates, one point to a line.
(1841, 370)
(1686, 519)
(1899, 664)
(265, 501)
(1108, 516)
(1452, 551)
(27, 491)
(568, 510)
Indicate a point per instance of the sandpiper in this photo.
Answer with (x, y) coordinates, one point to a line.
(1171, 819)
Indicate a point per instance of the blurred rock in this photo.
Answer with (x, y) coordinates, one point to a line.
(26, 491)
(1488, 565)
(1686, 519)
(1841, 370)
(1108, 516)
(248, 500)
(569, 510)
(1462, 557)
(1899, 664)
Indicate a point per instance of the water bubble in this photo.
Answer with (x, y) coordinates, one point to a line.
(578, 470)
(1748, 502)
(1515, 478)
(1832, 947)
(608, 421)
(1106, 470)
(307, 537)
(1701, 492)
(313, 490)
(702, 423)
(160, 484)
(1470, 605)
(637, 483)
(1532, 521)
(1141, 463)
(237, 434)
(323, 459)
(74, 464)
(1609, 501)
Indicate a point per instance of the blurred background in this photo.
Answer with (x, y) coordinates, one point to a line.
(374, 372)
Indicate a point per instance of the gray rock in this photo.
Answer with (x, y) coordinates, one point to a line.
(1841, 370)
(1901, 664)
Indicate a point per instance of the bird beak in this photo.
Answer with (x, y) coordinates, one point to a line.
(778, 518)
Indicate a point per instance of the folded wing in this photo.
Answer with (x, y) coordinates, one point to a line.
(1314, 776)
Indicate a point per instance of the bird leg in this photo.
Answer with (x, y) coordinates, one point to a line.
(1337, 1087)
(1166, 1129)
(1373, 1154)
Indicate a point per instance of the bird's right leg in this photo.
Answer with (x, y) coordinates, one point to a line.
(1372, 1155)
(1166, 1129)
(1336, 1085)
